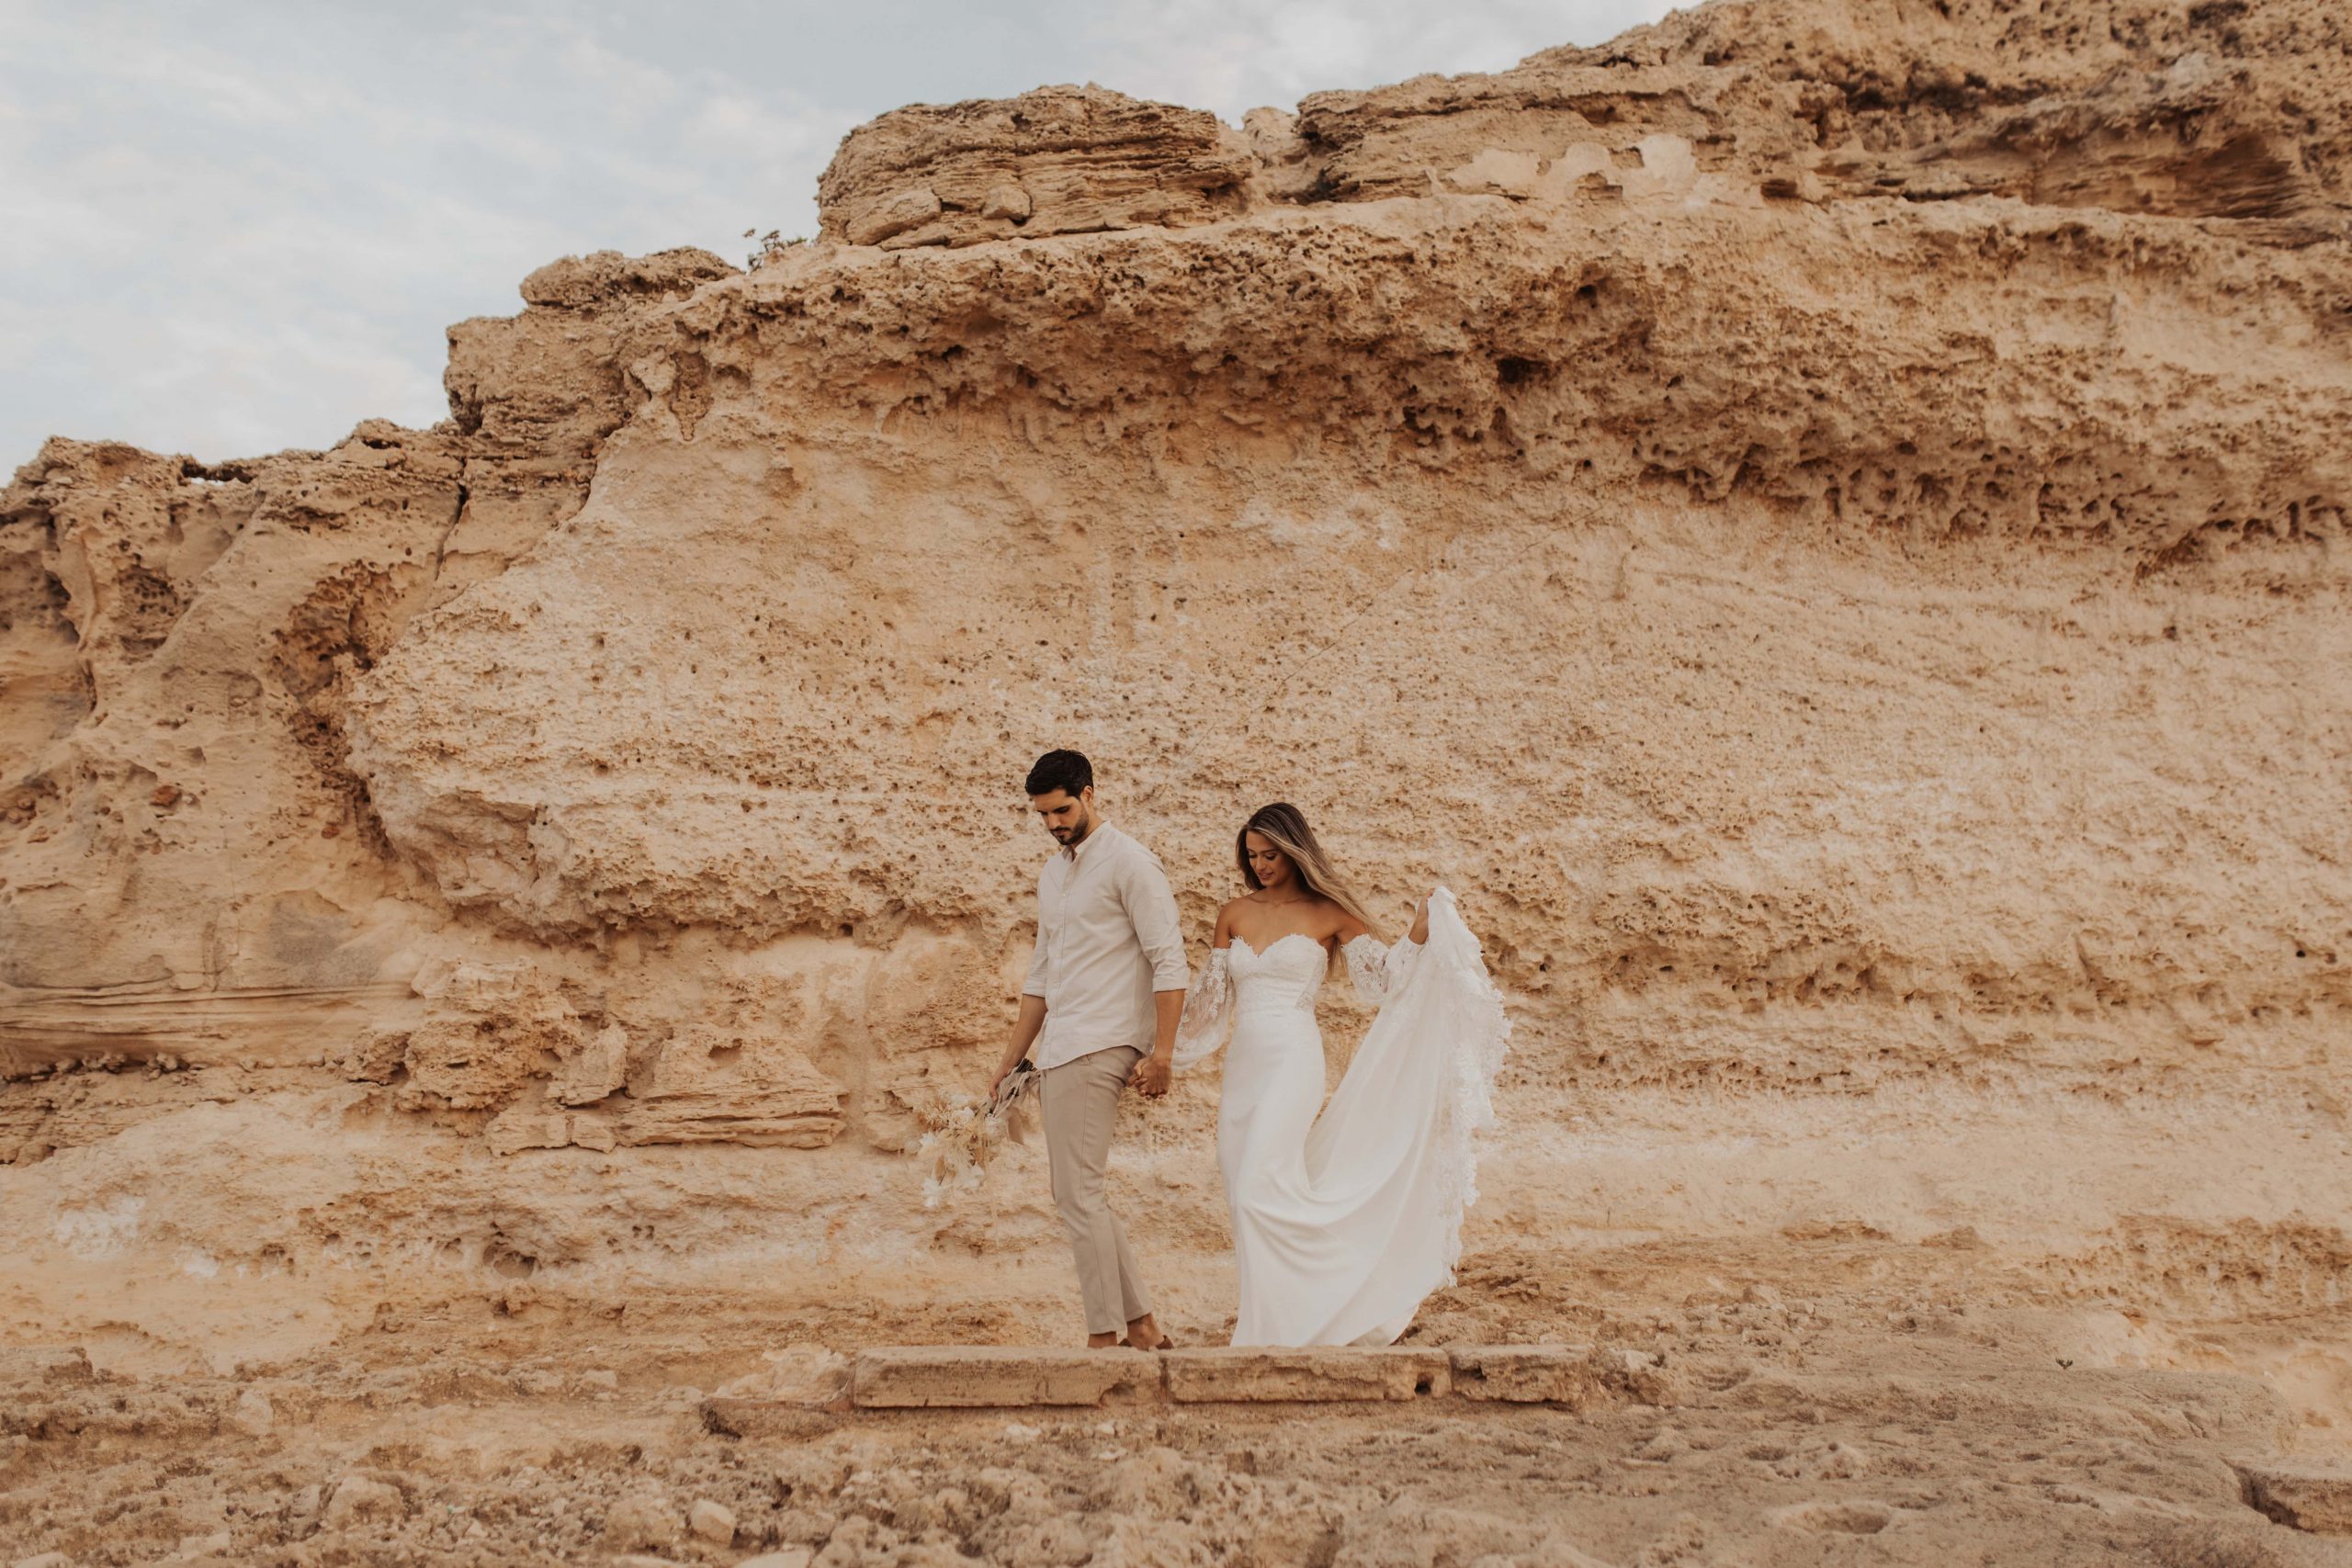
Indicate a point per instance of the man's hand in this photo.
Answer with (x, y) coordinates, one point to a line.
(1151, 1074)
(1025, 1034)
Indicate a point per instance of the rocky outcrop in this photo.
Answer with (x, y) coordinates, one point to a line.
(1058, 161)
(2211, 112)
(2227, 111)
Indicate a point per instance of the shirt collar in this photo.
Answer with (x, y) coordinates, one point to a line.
(1101, 830)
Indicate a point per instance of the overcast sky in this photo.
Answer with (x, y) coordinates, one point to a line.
(231, 228)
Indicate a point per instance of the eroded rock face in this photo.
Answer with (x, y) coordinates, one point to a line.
(492, 1029)
(1828, 533)
(657, 636)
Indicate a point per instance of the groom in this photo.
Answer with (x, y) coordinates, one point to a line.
(1106, 986)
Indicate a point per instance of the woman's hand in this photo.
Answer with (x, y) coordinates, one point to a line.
(1150, 1076)
(1420, 932)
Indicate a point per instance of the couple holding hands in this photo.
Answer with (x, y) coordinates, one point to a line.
(1343, 1220)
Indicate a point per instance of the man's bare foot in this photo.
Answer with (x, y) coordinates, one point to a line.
(1102, 1341)
(1144, 1333)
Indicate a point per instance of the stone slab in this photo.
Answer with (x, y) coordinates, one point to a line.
(979, 1376)
(1524, 1375)
(2306, 1496)
(1256, 1375)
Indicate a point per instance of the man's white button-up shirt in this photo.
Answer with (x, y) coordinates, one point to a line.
(1107, 939)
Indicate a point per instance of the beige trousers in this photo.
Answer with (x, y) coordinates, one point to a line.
(1079, 1103)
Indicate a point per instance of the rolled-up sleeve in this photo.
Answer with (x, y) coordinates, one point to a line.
(1034, 985)
(1151, 908)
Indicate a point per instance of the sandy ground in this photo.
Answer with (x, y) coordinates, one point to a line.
(1854, 1400)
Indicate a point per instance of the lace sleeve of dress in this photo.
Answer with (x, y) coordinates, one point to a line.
(1379, 972)
(1208, 1008)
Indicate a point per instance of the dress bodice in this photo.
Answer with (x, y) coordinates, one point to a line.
(1288, 974)
(1240, 981)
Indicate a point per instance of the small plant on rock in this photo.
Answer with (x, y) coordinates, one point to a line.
(773, 246)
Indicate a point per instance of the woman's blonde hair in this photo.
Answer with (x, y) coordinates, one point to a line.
(1284, 826)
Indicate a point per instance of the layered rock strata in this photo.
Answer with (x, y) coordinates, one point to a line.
(1058, 161)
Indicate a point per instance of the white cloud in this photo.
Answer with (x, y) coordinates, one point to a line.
(1234, 55)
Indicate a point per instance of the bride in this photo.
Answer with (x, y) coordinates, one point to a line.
(1343, 1222)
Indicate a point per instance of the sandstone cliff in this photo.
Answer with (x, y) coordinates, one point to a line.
(1823, 521)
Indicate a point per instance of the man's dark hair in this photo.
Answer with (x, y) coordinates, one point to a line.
(1068, 770)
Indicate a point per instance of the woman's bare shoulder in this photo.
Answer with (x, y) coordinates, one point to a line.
(1339, 924)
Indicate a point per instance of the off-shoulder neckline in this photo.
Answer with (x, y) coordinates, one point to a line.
(1237, 941)
(1262, 951)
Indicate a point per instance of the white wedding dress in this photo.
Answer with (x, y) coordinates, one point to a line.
(1343, 1222)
